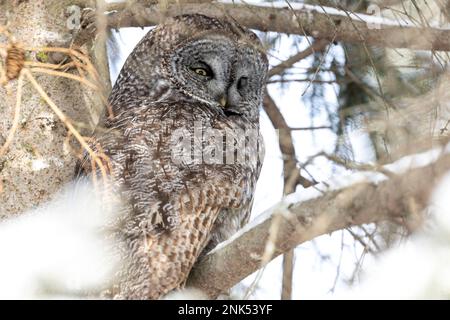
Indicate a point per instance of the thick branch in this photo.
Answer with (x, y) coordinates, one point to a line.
(315, 21)
(355, 205)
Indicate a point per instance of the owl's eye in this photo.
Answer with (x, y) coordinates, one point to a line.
(201, 72)
(202, 69)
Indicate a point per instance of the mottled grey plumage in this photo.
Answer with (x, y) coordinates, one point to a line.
(177, 80)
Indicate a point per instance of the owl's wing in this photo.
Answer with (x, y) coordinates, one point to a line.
(162, 261)
(171, 207)
(231, 220)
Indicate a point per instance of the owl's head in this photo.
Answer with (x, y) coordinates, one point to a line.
(223, 66)
(214, 61)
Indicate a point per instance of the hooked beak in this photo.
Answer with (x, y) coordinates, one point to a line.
(226, 108)
(223, 101)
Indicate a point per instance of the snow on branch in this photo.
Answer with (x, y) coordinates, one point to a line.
(301, 19)
(372, 198)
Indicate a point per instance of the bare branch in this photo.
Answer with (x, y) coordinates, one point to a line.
(292, 176)
(322, 23)
(310, 128)
(358, 204)
(280, 68)
(288, 275)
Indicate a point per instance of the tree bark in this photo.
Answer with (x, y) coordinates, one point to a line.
(319, 22)
(37, 163)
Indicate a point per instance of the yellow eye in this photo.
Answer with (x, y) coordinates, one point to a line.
(201, 72)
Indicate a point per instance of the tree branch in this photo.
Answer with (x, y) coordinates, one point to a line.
(291, 177)
(280, 68)
(291, 173)
(301, 19)
(358, 204)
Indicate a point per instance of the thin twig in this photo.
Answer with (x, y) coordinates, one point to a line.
(66, 75)
(280, 68)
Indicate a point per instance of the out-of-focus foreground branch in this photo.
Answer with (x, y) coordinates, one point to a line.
(357, 204)
(301, 19)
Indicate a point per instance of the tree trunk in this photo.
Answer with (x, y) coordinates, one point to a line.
(38, 162)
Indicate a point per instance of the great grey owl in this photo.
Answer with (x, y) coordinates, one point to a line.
(184, 146)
